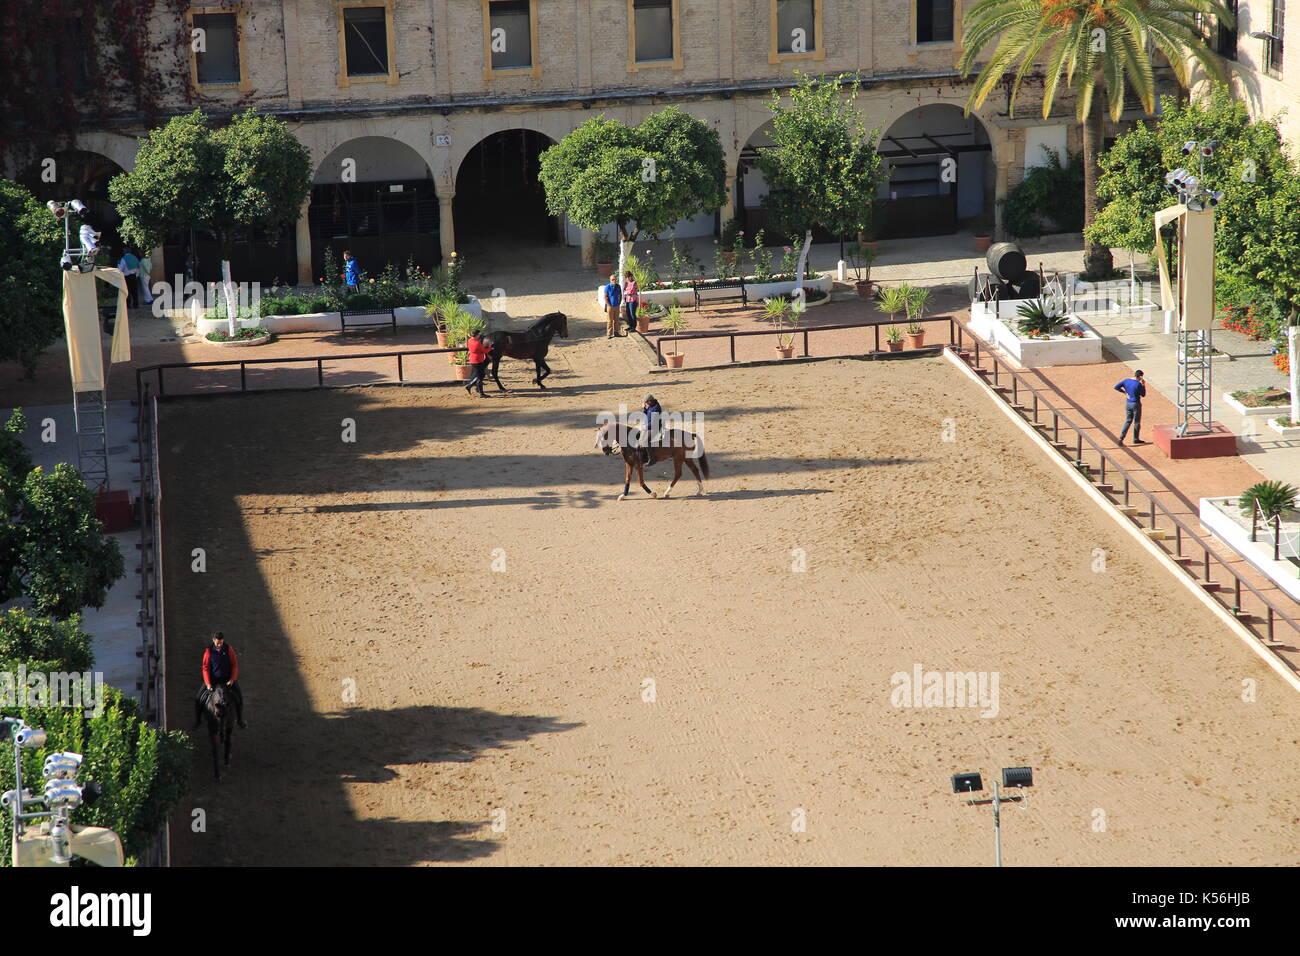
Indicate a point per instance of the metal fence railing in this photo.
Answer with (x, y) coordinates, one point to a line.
(1260, 614)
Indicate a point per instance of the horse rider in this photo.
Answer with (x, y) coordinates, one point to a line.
(220, 666)
(650, 407)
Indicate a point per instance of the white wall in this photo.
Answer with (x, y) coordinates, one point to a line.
(1036, 137)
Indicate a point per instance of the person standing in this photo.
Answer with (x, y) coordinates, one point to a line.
(1135, 390)
(129, 266)
(351, 272)
(478, 359)
(631, 296)
(146, 273)
(611, 295)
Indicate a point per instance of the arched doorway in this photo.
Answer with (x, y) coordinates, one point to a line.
(78, 174)
(374, 197)
(751, 187)
(499, 197)
(938, 173)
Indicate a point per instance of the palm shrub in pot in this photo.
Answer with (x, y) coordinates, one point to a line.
(1042, 318)
(914, 306)
(673, 322)
(459, 326)
(893, 300)
(1274, 498)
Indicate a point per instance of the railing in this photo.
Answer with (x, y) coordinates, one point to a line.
(1275, 532)
(243, 365)
(874, 324)
(1270, 614)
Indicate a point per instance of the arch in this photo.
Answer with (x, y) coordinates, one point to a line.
(80, 174)
(499, 202)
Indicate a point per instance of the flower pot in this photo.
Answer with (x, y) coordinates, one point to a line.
(675, 359)
(787, 351)
(873, 245)
(442, 339)
(642, 323)
(982, 243)
(605, 269)
(915, 340)
(895, 346)
(462, 372)
(864, 288)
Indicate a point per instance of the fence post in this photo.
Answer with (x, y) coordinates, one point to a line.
(243, 379)
(731, 340)
(320, 372)
(805, 343)
(877, 327)
(399, 367)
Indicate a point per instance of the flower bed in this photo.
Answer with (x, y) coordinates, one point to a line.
(328, 321)
(1258, 401)
(1222, 518)
(663, 293)
(249, 335)
(995, 322)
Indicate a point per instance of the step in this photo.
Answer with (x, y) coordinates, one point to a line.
(1104, 486)
(1211, 585)
(1127, 509)
(1157, 534)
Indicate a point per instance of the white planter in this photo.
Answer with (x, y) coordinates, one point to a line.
(329, 321)
(1241, 409)
(1033, 353)
(307, 322)
(1286, 431)
(753, 291)
(1215, 517)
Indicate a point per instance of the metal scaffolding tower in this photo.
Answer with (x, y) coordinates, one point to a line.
(91, 411)
(1195, 368)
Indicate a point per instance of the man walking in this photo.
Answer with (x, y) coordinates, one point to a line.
(1135, 389)
(478, 359)
(351, 272)
(611, 295)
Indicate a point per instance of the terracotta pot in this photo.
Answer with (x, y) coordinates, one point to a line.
(787, 351)
(675, 359)
(864, 288)
(442, 339)
(605, 269)
(895, 346)
(982, 243)
(462, 372)
(642, 323)
(873, 245)
(915, 340)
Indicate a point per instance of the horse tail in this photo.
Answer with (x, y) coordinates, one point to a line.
(704, 461)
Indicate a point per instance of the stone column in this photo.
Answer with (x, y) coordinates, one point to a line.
(729, 210)
(302, 236)
(446, 224)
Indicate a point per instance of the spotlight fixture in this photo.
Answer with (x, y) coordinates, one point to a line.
(1017, 776)
(1188, 147)
(967, 783)
(78, 207)
(57, 208)
(1207, 149)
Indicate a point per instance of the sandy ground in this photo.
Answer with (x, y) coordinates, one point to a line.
(503, 716)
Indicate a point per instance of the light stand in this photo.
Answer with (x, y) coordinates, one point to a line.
(973, 782)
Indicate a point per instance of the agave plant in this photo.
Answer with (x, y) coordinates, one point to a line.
(1273, 498)
(1042, 317)
(894, 299)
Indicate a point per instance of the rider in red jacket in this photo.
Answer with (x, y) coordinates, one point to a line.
(220, 666)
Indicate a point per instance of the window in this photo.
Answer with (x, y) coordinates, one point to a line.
(653, 29)
(796, 26)
(934, 21)
(1225, 39)
(510, 34)
(64, 64)
(217, 48)
(1275, 45)
(365, 38)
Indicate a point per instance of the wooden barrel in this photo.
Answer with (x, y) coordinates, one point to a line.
(1006, 261)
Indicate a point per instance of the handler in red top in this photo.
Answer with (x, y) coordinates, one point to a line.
(220, 666)
(478, 359)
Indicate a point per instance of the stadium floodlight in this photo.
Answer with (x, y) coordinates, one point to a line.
(1018, 777)
(78, 207)
(29, 738)
(57, 208)
(1215, 197)
(966, 782)
(62, 765)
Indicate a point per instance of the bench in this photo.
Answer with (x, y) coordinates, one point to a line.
(383, 316)
(726, 287)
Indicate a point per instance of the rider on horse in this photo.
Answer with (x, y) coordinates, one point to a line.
(651, 409)
(220, 666)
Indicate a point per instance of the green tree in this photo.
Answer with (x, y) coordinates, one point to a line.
(30, 281)
(56, 550)
(144, 772)
(1092, 47)
(823, 170)
(29, 637)
(642, 178)
(250, 176)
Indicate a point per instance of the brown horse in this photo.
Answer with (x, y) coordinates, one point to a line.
(680, 446)
(531, 343)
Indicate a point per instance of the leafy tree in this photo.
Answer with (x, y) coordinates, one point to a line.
(55, 551)
(1092, 46)
(144, 772)
(1048, 194)
(30, 281)
(823, 170)
(234, 181)
(642, 178)
(29, 637)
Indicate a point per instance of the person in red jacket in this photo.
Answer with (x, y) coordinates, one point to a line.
(478, 359)
(220, 666)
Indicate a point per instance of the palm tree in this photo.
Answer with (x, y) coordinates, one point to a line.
(1087, 44)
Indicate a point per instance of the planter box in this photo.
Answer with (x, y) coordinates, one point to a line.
(329, 321)
(987, 321)
(1216, 517)
(1286, 431)
(240, 343)
(1241, 409)
(755, 290)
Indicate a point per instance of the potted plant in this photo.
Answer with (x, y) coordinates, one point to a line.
(780, 312)
(643, 313)
(860, 258)
(673, 322)
(916, 301)
(606, 254)
(459, 326)
(1041, 318)
(435, 307)
(982, 227)
(893, 300)
(894, 339)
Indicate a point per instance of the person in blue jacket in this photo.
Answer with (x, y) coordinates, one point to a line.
(351, 271)
(652, 411)
(1135, 390)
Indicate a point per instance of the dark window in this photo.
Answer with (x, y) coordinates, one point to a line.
(796, 26)
(933, 21)
(1275, 45)
(218, 60)
(365, 36)
(510, 35)
(654, 29)
(1225, 39)
(64, 63)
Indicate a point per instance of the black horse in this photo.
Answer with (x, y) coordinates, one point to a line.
(531, 343)
(220, 716)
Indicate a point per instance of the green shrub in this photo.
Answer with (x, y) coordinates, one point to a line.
(1041, 317)
(29, 637)
(359, 301)
(1049, 196)
(1273, 497)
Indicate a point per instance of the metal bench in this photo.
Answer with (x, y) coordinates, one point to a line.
(383, 316)
(729, 284)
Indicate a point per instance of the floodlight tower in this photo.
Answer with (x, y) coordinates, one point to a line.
(1018, 777)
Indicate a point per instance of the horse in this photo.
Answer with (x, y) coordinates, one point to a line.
(531, 343)
(220, 716)
(674, 443)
